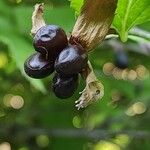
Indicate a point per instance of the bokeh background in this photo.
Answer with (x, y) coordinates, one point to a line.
(32, 118)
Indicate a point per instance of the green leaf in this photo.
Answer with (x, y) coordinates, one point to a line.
(140, 33)
(76, 5)
(20, 50)
(129, 14)
(139, 39)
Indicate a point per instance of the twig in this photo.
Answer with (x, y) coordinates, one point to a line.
(135, 32)
(141, 47)
(111, 36)
(95, 134)
(93, 23)
(140, 33)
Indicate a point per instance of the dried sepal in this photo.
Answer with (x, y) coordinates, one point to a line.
(93, 91)
(93, 23)
(37, 18)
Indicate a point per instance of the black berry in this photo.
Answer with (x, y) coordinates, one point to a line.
(36, 66)
(72, 60)
(64, 87)
(121, 60)
(50, 40)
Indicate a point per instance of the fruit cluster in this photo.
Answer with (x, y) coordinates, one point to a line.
(55, 53)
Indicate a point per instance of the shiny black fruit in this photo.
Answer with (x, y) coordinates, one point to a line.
(64, 87)
(36, 66)
(121, 60)
(50, 40)
(72, 60)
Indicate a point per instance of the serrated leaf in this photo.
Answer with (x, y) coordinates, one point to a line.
(76, 5)
(129, 14)
(20, 50)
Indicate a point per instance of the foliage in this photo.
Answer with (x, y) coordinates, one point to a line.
(129, 14)
(125, 105)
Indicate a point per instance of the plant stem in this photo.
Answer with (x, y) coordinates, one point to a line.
(95, 134)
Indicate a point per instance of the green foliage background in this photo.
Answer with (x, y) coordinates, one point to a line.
(42, 110)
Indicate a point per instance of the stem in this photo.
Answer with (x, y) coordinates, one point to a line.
(124, 36)
(124, 33)
(95, 134)
(135, 32)
(140, 33)
(111, 36)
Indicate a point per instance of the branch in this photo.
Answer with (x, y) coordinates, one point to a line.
(95, 134)
(141, 47)
(140, 33)
(111, 36)
(135, 32)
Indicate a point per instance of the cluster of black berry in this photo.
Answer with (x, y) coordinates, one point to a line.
(54, 52)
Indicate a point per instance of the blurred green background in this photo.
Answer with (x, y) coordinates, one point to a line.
(32, 118)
